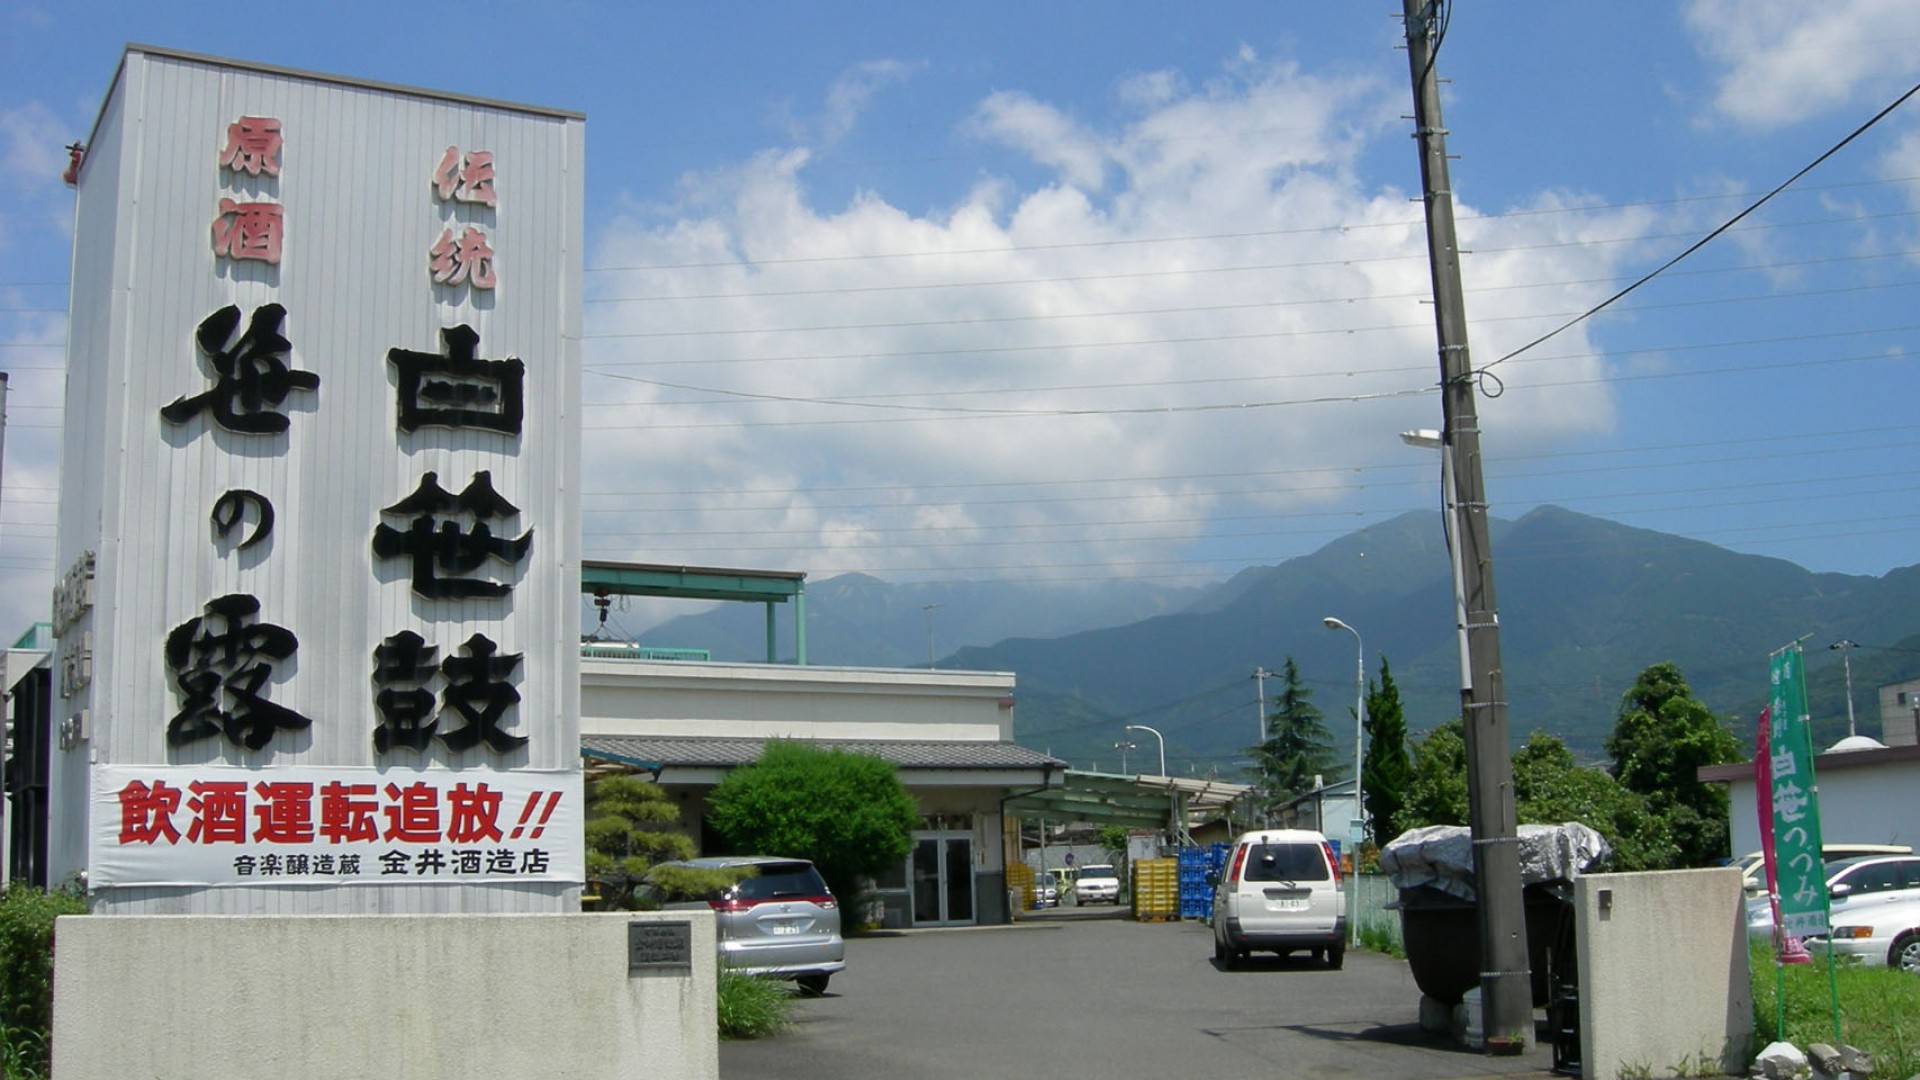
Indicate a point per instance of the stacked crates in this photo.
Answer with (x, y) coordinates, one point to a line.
(1156, 892)
(1196, 896)
(1020, 884)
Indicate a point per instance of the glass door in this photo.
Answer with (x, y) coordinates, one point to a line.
(942, 873)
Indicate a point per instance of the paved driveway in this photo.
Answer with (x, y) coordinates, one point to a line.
(1065, 996)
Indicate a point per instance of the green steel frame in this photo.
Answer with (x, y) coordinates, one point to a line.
(769, 587)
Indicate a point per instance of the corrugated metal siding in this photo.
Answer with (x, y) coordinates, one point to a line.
(361, 217)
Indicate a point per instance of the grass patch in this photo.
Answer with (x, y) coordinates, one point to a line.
(751, 1006)
(1879, 1009)
(22, 1053)
(1382, 936)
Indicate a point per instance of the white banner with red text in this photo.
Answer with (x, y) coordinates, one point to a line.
(222, 825)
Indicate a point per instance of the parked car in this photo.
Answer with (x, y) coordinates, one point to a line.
(779, 920)
(1880, 934)
(1753, 867)
(1045, 892)
(1281, 893)
(1853, 886)
(1098, 883)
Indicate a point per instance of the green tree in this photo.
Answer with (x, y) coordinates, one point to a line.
(1550, 789)
(1437, 789)
(1661, 739)
(1298, 745)
(624, 838)
(1386, 770)
(847, 812)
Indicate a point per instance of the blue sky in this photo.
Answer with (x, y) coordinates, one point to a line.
(1101, 292)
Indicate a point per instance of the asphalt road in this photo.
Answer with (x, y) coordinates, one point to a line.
(1066, 995)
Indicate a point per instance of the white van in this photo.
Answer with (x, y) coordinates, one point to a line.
(1280, 893)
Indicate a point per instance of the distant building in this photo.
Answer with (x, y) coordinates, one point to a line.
(1900, 712)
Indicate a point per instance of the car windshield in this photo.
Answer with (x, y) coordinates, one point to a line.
(776, 880)
(1096, 872)
(1286, 862)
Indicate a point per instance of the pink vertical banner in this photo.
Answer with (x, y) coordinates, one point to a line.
(1788, 950)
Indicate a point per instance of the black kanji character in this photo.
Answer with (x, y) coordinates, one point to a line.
(477, 689)
(437, 546)
(457, 389)
(251, 373)
(402, 666)
(221, 665)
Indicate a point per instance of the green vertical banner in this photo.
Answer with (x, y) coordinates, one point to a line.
(1795, 799)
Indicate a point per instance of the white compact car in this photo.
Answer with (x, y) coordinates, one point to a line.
(1280, 893)
(1886, 934)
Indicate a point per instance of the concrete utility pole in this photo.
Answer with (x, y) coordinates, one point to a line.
(1260, 701)
(1505, 982)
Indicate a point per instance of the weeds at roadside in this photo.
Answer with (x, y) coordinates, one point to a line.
(21, 1052)
(1382, 937)
(750, 1006)
(1879, 1009)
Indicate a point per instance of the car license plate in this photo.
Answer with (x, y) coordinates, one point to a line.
(785, 928)
(1288, 905)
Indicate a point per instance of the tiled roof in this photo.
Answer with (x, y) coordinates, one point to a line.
(726, 753)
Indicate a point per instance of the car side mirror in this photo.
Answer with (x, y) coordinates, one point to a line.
(1213, 879)
(1840, 891)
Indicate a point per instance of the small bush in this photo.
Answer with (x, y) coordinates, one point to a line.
(26, 974)
(751, 1006)
(1382, 936)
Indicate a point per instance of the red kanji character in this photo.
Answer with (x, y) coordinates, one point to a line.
(219, 812)
(285, 813)
(475, 814)
(413, 813)
(468, 259)
(465, 178)
(146, 813)
(253, 146)
(248, 231)
(346, 813)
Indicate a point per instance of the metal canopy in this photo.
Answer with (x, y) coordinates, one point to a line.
(1139, 802)
(769, 587)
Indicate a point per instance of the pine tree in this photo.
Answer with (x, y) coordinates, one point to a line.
(1298, 745)
(1387, 769)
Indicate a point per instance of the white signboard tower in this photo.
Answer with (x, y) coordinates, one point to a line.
(316, 618)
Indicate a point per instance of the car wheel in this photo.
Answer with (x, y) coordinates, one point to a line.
(1234, 958)
(1336, 956)
(813, 985)
(1905, 954)
(1219, 952)
(1319, 956)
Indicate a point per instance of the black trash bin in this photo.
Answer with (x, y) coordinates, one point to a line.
(1441, 933)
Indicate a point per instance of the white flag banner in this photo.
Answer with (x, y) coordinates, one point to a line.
(222, 825)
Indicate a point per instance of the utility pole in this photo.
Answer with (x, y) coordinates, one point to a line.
(1260, 701)
(1505, 982)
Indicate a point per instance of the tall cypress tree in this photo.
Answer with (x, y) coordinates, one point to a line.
(1298, 744)
(1387, 768)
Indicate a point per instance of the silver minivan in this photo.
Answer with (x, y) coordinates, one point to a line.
(780, 920)
(1280, 893)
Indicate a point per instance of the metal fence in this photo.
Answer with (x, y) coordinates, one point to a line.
(1371, 895)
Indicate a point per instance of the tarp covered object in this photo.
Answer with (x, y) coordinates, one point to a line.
(1441, 856)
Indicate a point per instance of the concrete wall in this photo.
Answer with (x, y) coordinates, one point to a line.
(338, 997)
(716, 700)
(1663, 973)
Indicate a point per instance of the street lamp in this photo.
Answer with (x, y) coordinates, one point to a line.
(1123, 747)
(1429, 439)
(1359, 746)
(1846, 647)
(1156, 735)
(928, 610)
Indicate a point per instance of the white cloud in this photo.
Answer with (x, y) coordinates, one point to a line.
(1786, 60)
(32, 147)
(1208, 315)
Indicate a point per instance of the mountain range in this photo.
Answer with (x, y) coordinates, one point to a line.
(1585, 605)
